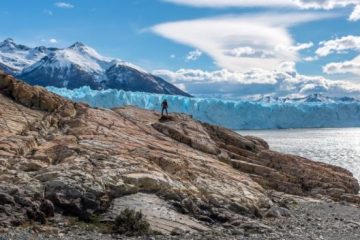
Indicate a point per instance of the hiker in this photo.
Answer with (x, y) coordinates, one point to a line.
(164, 106)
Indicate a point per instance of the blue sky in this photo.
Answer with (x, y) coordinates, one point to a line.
(171, 36)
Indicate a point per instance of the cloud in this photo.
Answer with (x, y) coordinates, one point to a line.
(193, 55)
(301, 4)
(48, 12)
(239, 43)
(232, 3)
(352, 67)
(172, 56)
(339, 45)
(64, 5)
(355, 15)
(311, 58)
(53, 40)
(297, 47)
(284, 81)
(304, 4)
(324, 4)
(249, 52)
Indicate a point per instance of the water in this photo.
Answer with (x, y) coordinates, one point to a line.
(338, 146)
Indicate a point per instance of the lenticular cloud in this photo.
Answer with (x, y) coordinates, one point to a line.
(240, 43)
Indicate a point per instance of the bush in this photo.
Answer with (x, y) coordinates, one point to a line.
(131, 223)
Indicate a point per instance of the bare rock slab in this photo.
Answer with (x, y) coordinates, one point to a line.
(161, 216)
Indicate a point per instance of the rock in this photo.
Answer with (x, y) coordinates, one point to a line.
(35, 214)
(255, 227)
(70, 207)
(40, 217)
(47, 207)
(276, 212)
(24, 201)
(89, 202)
(6, 199)
(160, 215)
(85, 159)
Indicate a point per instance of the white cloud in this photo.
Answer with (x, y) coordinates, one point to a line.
(48, 12)
(355, 15)
(172, 56)
(181, 86)
(352, 67)
(339, 45)
(224, 38)
(284, 81)
(302, 4)
(325, 4)
(50, 40)
(296, 48)
(249, 52)
(193, 55)
(186, 76)
(233, 3)
(53, 40)
(288, 67)
(64, 5)
(311, 58)
(305, 4)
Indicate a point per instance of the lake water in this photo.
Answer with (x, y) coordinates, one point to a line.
(338, 146)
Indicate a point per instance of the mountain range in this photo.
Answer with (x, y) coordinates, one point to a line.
(76, 66)
(313, 98)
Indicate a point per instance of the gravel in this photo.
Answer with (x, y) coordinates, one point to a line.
(314, 220)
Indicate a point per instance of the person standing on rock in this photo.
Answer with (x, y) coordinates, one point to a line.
(164, 107)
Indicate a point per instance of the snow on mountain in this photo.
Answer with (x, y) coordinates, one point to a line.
(15, 57)
(76, 66)
(293, 113)
(316, 97)
(85, 58)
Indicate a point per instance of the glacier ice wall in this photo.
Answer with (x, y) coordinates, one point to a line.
(230, 114)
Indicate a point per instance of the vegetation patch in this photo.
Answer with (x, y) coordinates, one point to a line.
(131, 223)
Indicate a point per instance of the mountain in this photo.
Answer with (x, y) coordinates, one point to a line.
(313, 98)
(77, 66)
(15, 57)
(65, 163)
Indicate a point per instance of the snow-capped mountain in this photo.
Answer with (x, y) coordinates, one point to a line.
(77, 66)
(313, 98)
(15, 57)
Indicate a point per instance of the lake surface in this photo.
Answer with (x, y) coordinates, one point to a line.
(337, 146)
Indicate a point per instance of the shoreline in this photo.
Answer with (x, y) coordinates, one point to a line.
(308, 219)
(336, 146)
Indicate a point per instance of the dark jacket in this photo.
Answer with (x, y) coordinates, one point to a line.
(164, 104)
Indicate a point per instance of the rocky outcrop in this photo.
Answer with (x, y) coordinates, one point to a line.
(64, 157)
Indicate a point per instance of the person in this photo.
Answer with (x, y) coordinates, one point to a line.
(164, 106)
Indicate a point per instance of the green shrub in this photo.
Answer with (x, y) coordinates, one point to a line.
(131, 223)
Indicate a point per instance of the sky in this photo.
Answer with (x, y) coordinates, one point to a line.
(219, 48)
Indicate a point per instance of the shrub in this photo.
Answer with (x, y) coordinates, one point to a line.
(131, 223)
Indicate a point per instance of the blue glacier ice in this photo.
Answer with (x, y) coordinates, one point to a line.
(231, 114)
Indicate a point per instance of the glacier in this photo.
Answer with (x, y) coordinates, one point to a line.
(244, 114)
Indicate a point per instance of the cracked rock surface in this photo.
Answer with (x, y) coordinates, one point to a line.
(87, 162)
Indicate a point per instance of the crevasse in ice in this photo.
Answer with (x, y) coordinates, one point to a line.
(230, 114)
